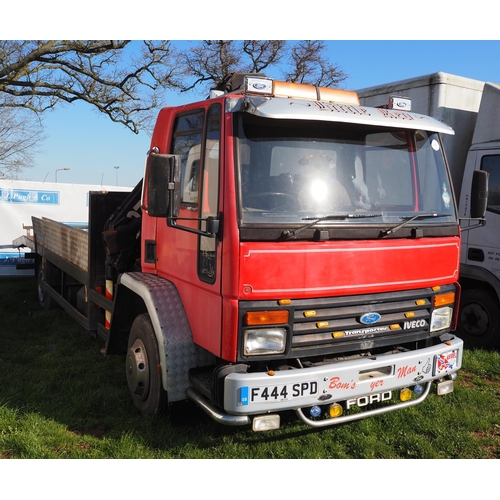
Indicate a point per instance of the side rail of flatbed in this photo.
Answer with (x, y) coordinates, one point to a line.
(61, 243)
(71, 263)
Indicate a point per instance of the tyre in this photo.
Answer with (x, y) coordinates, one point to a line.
(142, 368)
(479, 319)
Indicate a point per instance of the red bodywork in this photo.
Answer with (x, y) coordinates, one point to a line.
(278, 270)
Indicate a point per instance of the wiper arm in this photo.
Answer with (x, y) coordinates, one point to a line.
(290, 234)
(408, 220)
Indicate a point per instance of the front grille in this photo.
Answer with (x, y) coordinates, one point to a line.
(333, 325)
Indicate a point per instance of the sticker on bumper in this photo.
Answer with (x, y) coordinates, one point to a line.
(445, 362)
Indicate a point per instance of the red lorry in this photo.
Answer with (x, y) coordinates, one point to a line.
(287, 250)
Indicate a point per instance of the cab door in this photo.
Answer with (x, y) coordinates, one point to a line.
(482, 247)
(190, 260)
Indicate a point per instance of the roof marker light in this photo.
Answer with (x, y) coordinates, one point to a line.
(258, 85)
(400, 103)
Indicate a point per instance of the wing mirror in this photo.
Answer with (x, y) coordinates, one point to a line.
(163, 174)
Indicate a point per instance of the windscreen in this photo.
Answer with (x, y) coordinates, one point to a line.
(292, 170)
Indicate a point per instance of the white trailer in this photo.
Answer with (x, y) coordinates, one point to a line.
(472, 109)
(20, 200)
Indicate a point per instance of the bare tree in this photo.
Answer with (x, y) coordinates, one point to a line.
(109, 75)
(20, 133)
(308, 64)
(210, 62)
(128, 81)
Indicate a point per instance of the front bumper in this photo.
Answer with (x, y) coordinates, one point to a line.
(366, 379)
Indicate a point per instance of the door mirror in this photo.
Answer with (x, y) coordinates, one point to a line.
(479, 194)
(163, 184)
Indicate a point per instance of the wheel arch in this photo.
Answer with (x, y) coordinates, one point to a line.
(138, 293)
(479, 277)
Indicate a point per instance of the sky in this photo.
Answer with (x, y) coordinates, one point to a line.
(98, 151)
(91, 145)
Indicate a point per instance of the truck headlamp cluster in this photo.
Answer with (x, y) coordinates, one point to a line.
(441, 319)
(263, 341)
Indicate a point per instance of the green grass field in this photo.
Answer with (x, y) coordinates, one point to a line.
(61, 398)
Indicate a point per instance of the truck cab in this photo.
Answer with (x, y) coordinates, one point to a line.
(297, 251)
(287, 250)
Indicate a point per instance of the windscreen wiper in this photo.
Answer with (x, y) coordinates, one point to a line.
(409, 219)
(291, 234)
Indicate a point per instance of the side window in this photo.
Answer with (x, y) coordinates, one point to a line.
(186, 143)
(209, 194)
(491, 164)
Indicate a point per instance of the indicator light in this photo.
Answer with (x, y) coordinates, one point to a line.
(335, 410)
(266, 317)
(405, 394)
(309, 314)
(271, 373)
(444, 298)
(409, 314)
(315, 411)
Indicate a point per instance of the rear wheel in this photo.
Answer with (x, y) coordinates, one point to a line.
(143, 368)
(479, 319)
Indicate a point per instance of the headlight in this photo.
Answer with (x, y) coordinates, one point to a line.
(264, 341)
(441, 318)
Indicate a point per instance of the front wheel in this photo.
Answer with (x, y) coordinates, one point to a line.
(143, 368)
(479, 319)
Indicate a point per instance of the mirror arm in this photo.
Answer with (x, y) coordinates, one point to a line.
(213, 225)
(480, 222)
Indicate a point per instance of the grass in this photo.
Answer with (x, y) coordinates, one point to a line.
(60, 398)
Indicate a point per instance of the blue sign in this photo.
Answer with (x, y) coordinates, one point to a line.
(243, 396)
(29, 196)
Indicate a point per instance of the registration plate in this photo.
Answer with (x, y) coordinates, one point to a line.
(273, 393)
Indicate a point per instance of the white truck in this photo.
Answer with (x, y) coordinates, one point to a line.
(472, 109)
